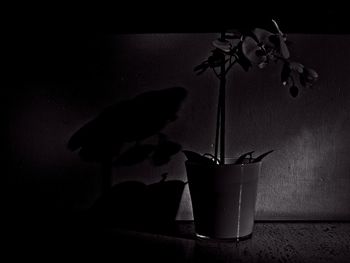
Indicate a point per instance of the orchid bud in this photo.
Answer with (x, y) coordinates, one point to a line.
(296, 66)
(310, 75)
(293, 90)
(263, 64)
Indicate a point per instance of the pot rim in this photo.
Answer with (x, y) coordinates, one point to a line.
(222, 165)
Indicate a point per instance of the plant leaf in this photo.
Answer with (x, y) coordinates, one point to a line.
(212, 157)
(201, 67)
(243, 157)
(260, 157)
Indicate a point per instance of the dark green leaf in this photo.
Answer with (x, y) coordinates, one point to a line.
(241, 159)
(201, 67)
(212, 157)
(200, 72)
(260, 157)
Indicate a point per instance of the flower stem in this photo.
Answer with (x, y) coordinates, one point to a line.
(222, 106)
(217, 127)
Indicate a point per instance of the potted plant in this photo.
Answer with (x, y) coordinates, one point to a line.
(223, 190)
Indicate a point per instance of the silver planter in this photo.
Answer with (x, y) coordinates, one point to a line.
(223, 199)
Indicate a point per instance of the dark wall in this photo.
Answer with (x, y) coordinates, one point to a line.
(64, 80)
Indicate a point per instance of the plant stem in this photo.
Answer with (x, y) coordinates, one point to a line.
(217, 127)
(220, 117)
(230, 65)
(222, 105)
(222, 112)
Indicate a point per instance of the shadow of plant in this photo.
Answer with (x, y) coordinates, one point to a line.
(130, 121)
(135, 205)
(126, 134)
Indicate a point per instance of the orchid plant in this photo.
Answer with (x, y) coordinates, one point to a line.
(259, 48)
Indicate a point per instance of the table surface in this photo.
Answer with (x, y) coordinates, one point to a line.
(271, 242)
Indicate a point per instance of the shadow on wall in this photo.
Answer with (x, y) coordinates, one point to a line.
(126, 134)
(135, 205)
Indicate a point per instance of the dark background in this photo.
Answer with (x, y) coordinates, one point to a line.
(68, 64)
(176, 17)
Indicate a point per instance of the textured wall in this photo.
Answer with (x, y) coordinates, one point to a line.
(66, 80)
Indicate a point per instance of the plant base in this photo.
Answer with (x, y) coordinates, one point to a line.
(236, 239)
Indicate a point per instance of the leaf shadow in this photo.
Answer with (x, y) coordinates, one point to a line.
(138, 206)
(125, 134)
(130, 122)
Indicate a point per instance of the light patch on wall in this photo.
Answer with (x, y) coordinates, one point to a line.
(306, 176)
